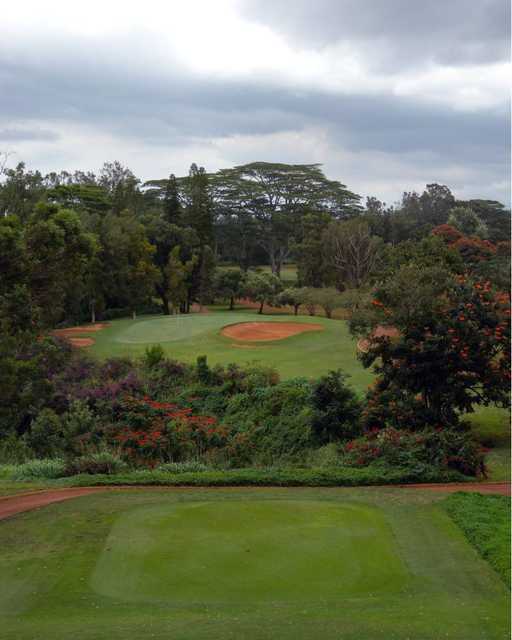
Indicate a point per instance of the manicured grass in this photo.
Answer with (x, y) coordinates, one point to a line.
(259, 564)
(485, 521)
(186, 337)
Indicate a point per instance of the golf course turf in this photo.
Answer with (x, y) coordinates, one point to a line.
(239, 563)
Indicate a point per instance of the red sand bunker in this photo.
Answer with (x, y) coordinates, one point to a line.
(267, 331)
(70, 334)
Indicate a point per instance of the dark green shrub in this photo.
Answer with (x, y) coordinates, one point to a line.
(336, 409)
(45, 434)
(153, 355)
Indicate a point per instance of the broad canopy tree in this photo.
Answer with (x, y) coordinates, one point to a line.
(450, 350)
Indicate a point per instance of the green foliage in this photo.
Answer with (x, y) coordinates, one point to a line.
(451, 347)
(229, 285)
(189, 466)
(153, 355)
(46, 468)
(45, 435)
(101, 462)
(336, 408)
(273, 477)
(444, 449)
(467, 222)
(263, 288)
(485, 521)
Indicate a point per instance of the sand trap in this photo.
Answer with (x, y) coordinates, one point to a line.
(267, 331)
(70, 333)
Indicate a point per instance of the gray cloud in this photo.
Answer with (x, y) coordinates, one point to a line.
(155, 109)
(395, 32)
(24, 135)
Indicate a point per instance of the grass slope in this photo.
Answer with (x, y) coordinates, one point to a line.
(259, 564)
(485, 521)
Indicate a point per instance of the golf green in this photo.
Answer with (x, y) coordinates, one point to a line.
(239, 563)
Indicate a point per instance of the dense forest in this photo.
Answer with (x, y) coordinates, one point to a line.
(78, 245)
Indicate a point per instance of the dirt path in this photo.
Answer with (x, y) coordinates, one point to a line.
(502, 488)
(11, 505)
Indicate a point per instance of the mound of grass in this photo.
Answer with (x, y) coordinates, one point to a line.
(485, 521)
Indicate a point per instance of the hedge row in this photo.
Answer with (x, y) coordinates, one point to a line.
(348, 477)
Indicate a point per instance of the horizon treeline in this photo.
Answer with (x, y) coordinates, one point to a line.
(73, 245)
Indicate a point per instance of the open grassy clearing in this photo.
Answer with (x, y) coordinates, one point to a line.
(238, 563)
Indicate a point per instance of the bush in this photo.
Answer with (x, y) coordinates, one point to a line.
(47, 469)
(153, 355)
(45, 434)
(103, 462)
(449, 449)
(336, 409)
(14, 450)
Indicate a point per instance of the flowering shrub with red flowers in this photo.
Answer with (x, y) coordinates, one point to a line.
(440, 448)
(149, 432)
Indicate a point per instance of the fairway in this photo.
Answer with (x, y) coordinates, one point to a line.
(186, 337)
(267, 563)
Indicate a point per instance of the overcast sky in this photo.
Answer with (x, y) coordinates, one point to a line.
(387, 94)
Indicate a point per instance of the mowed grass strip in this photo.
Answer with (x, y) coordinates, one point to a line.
(259, 564)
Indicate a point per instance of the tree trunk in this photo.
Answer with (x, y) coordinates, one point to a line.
(261, 308)
(134, 314)
(231, 303)
(165, 304)
(93, 313)
(296, 309)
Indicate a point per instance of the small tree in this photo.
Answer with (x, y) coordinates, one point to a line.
(229, 284)
(329, 299)
(293, 297)
(262, 288)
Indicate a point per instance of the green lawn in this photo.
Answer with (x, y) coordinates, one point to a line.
(256, 564)
(187, 336)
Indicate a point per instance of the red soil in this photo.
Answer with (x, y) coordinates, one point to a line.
(502, 488)
(266, 331)
(12, 505)
(70, 333)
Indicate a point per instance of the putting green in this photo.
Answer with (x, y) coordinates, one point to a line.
(256, 551)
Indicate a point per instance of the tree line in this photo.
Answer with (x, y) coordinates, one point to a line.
(81, 244)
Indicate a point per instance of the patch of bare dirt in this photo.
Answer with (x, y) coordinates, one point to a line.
(267, 331)
(12, 505)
